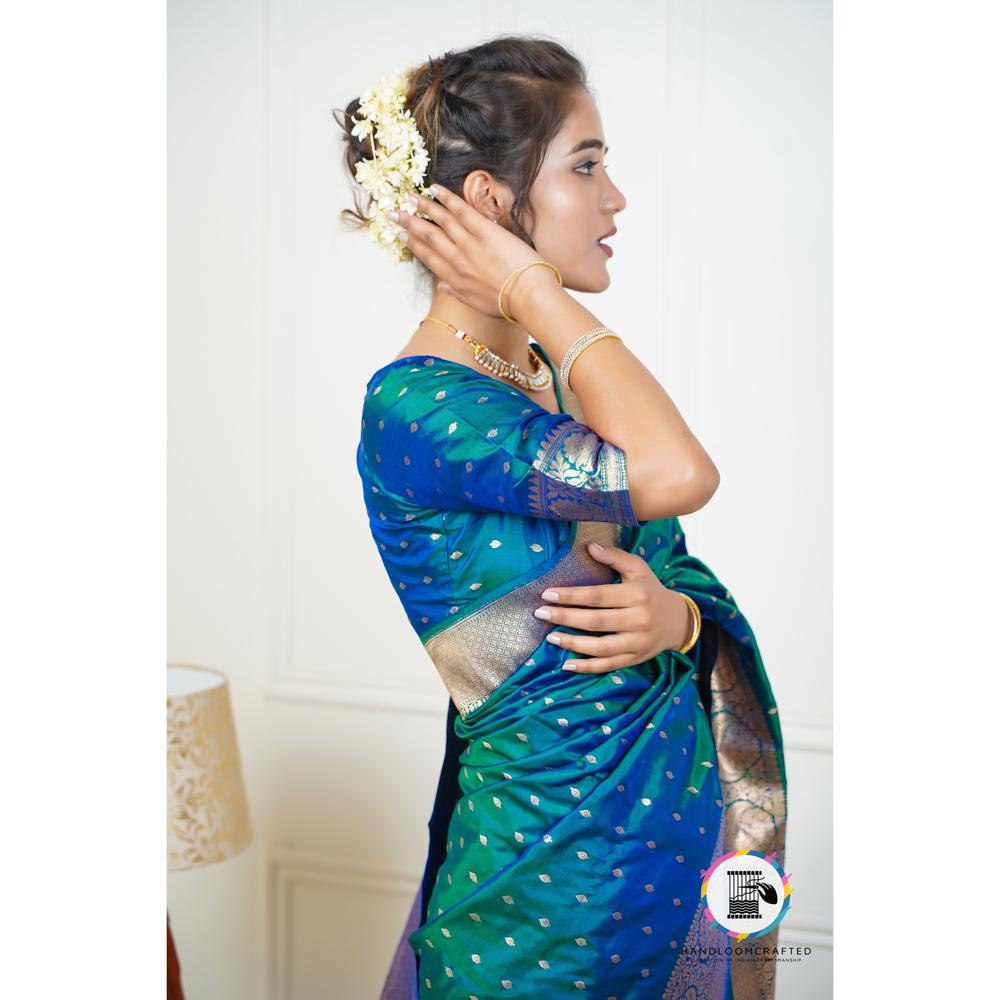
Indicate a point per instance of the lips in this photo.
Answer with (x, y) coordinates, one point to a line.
(608, 234)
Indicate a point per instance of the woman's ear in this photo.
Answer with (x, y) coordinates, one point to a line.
(488, 196)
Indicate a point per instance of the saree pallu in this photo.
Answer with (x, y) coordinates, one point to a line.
(577, 814)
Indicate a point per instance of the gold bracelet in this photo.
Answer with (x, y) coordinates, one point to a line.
(510, 281)
(579, 346)
(696, 614)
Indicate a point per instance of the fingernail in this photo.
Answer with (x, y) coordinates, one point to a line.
(543, 613)
(433, 192)
(403, 235)
(569, 666)
(597, 545)
(550, 595)
(554, 639)
(412, 199)
(394, 215)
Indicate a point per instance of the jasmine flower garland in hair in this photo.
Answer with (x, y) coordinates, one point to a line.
(398, 167)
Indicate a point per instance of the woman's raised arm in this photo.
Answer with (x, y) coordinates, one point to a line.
(669, 473)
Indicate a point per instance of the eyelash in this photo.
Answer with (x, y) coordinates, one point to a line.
(591, 164)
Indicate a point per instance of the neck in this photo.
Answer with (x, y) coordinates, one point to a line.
(509, 340)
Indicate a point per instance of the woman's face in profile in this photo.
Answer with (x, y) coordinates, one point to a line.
(574, 201)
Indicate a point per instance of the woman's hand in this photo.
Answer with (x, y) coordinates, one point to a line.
(645, 617)
(471, 256)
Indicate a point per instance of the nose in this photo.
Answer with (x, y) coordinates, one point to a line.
(614, 200)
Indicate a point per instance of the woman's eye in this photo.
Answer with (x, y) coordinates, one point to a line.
(591, 164)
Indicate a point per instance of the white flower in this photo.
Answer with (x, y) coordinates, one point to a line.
(398, 167)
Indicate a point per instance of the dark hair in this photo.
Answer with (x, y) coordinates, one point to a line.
(495, 107)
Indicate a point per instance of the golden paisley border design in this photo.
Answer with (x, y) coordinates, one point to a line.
(749, 770)
(478, 653)
(576, 476)
(753, 790)
(553, 460)
(754, 818)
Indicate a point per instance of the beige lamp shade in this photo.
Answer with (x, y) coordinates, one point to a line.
(207, 815)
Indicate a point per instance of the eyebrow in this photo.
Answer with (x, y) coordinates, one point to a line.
(587, 144)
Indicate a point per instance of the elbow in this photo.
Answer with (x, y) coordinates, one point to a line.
(709, 482)
(670, 495)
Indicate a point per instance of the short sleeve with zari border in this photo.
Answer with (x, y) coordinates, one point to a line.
(436, 434)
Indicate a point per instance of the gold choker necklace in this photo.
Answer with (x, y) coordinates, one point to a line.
(537, 381)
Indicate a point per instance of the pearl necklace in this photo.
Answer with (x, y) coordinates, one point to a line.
(537, 381)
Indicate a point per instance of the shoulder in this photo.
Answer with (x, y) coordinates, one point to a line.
(436, 384)
(446, 402)
(394, 388)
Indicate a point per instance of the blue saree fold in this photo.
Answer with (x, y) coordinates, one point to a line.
(576, 813)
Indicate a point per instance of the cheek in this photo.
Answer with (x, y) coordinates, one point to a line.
(569, 214)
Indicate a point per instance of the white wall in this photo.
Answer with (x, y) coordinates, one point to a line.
(218, 549)
(718, 116)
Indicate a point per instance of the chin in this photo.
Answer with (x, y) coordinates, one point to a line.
(589, 282)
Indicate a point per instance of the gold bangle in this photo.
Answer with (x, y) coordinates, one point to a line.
(696, 615)
(510, 281)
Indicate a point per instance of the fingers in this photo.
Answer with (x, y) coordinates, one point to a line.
(458, 208)
(605, 595)
(591, 620)
(592, 645)
(440, 214)
(440, 244)
(626, 563)
(602, 664)
(429, 243)
(426, 253)
(425, 233)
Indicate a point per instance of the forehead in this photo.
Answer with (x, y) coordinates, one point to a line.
(582, 122)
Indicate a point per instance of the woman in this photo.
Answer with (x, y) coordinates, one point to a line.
(523, 480)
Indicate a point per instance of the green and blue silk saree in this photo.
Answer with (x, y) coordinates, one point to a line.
(576, 813)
